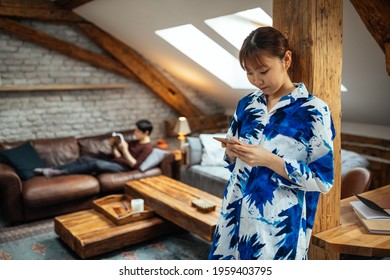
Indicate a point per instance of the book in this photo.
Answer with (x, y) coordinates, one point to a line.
(374, 218)
(375, 226)
(372, 205)
(118, 137)
(367, 212)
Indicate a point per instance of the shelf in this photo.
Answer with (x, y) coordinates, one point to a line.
(61, 87)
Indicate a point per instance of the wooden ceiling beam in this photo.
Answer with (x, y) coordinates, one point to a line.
(64, 47)
(375, 15)
(145, 72)
(37, 10)
(27, 3)
(71, 4)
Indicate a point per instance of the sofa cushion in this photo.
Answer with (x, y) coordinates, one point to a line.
(114, 182)
(57, 151)
(195, 150)
(41, 191)
(212, 154)
(211, 179)
(24, 159)
(100, 146)
(153, 159)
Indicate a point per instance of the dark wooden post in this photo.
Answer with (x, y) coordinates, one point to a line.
(314, 30)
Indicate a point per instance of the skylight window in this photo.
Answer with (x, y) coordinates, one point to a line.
(236, 27)
(204, 51)
(208, 54)
(211, 56)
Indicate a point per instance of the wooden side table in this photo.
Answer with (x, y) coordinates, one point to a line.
(178, 155)
(176, 166)
(351, 237)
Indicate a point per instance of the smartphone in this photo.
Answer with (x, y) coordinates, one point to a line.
(223, 140)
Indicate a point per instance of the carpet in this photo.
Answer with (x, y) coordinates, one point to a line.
(38, 241)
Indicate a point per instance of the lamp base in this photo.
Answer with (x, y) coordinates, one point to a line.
(181, 138)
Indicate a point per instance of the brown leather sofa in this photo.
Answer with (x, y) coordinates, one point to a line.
(42, 197)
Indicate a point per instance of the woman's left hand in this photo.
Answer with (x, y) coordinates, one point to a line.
(253, 155)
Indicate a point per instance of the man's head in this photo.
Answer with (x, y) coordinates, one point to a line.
(144, 128)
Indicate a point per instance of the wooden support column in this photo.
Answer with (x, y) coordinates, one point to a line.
(314, 31)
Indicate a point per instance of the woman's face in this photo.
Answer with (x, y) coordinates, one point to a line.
(271, 77)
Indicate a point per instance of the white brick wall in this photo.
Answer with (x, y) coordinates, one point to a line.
(47, 114)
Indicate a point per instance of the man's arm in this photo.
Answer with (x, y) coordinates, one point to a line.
(116, 153)
(114, 147)
(123, 148)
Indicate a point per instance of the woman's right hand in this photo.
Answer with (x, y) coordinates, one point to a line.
(229, 148)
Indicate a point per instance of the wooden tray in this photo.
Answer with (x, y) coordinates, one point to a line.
(117, 208)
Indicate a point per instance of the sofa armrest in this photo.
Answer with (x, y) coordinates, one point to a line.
(11, 194)
(8, 176)
(167, 164)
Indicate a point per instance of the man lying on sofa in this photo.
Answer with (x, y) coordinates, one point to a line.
(125, 157)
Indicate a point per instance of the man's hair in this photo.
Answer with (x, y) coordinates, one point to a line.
(144, 125)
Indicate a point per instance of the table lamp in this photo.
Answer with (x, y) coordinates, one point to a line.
(182, 128)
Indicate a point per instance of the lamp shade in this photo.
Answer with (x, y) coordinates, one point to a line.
(182, 127)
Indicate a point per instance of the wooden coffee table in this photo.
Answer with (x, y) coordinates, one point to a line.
(172, 199)
(90, 233)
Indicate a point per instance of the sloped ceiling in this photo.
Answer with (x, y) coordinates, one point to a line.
(135, 22)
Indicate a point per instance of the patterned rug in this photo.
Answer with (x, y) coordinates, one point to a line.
(38, 241)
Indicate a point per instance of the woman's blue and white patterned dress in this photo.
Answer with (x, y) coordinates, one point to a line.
(263, 215)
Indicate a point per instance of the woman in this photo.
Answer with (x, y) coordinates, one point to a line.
(281, 157)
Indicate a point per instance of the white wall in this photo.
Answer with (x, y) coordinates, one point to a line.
(363, 129)
(364, 74)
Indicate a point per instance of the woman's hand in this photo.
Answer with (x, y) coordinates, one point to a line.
(253, 155)
(228, 146)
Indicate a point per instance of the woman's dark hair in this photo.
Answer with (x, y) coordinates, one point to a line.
(262, 41)
(144, 125)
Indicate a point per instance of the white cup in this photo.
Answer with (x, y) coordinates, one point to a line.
(137, 205)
